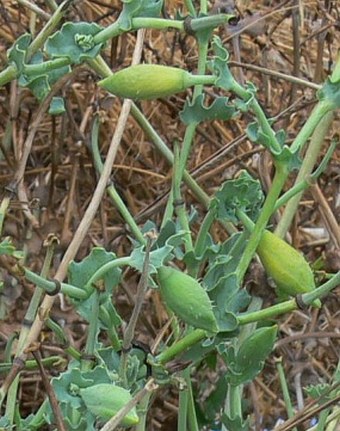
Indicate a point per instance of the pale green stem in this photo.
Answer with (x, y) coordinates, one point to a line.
(111, 190)
(307, 166)
(86, 363)
(47, 30)
(261, 223)
(285, 390)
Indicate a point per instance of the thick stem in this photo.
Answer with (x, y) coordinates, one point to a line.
(267, 210)
(307, 166)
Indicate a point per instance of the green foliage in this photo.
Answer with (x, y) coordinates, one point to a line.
(244, 193)
(104, 400)
(290, 157)
(41, 81)
(7, 248)
(246, 361)
(80, 273)
(196, 111)
(167, 245)
(138, 8)
(75, 42)
(330, 92)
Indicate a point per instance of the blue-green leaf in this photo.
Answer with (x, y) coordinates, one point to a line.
(138, 8)
(243, 193)
(17, 52)
(247, 362)
(74, 41)
(81, 272)
(196, 111)
(7, 247)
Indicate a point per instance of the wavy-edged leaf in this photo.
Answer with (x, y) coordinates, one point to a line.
(196, 111)
(243, 193)
(74, 41)
(138, 8)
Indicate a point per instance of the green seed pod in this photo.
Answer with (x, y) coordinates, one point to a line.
(151, 81)
(186, 298)
(105, 400)
(287, 267)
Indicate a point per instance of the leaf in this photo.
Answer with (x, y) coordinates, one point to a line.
(219, 65)
(7, 247)
(138, 8)
(243, 193)
(74, 41)
(57, 106)
(158, 256)
(79, 273)
(210, 250)
(285, 155)
(245, 364)
(17, 52)
(68, 384)
(196, 111)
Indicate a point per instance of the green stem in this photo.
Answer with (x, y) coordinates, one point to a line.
(143, 411)
(62, 338)
(86, 364)
(50, 362)
(260, 115)
(204, 232)
(111, 190)
(11, 399)
(320, 110)
(179, 202)
(192, 417)
(46, 66)
(307, 166)
(131, 327)
(234, 396)
(8, 74)
(51, 25)
(204, 7)
(267, 210)
(180, 346)
(287, 306)
(37, 295)
(285, 390)
(191, 129)
(309, 179)
(111, 330)
(99, 274)
(182, 419)
(191, 9)
(50, 286)
(196, 24)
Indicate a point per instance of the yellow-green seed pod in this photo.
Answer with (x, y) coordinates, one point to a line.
(287, 267)
(105, 400)
(186, 298)
(151, 81)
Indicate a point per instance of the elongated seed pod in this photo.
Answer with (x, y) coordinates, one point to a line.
(104, 400)
(151, 81)
(186, 298)
(287, 267)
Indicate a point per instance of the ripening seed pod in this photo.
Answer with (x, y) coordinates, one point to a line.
(186, 298)
(287, 267)
(151, 81)
(104, 400)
